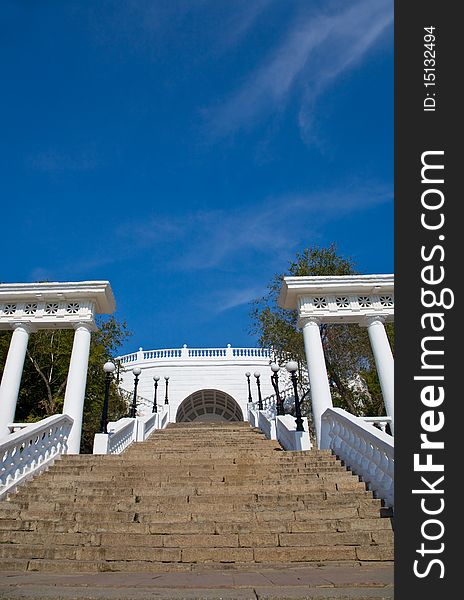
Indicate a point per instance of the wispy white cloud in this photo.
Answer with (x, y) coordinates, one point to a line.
(215, 238)
(232, 298)
(315, 51)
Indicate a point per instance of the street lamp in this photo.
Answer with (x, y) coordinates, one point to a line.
(133, 409)
(260, 398)
(292, 368)
(109, 368)
(155, 404)
(248, 375)
(275, 383)
(166, 401)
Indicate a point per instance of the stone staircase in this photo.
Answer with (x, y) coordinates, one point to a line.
(192, 495)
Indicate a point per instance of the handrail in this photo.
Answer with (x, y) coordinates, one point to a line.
(121, 434)
(269, 402)
(32, 449)
(367, 451)
(379, 422)
(127, 430)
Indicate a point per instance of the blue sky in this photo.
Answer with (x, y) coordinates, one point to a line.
(186, 150)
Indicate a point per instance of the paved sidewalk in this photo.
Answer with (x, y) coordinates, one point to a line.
(327, 581)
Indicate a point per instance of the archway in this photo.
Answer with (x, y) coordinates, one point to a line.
(209, 405)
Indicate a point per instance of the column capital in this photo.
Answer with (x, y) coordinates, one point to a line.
(371, 319)
(26, 325)
(88, 325)
(303, 321)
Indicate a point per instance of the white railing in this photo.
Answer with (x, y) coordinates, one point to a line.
(194, 354)
(120, 435)
(146, 425)
(267, 424)
(157, 354)
(270, 402)
(281, 428)
(378, 422)
(127, 430)
(367, 451)
(164, 419)
(32, 449)
(289, 438)
(252, 415)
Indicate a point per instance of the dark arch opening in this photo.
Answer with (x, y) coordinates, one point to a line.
(209, 405)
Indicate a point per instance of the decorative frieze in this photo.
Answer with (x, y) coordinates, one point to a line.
(346, 308)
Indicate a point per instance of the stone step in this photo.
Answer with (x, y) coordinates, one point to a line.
(192, 495)
(151, 493)
(210, 526)
(151, 469)
(199, 540)
(128, 554)
(191, 501)
(199, 513)
(172, 480)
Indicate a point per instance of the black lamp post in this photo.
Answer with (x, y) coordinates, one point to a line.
(250, 398)
(260, 398)
(166, 401)
(292, 368)
(280, 410)
(155, 404)
(133, 409)
(109, 368)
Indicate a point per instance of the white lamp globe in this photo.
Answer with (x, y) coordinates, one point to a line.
(275, 367)
(257, 374)
(156, 378)
(247, 374)
(109, 367)
(136, 370)
(291, 366)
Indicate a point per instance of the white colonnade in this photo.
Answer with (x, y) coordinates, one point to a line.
(321, 398)
(11, 380)
(75, 386)
(27, 308)
(383, 361)
(363, 299)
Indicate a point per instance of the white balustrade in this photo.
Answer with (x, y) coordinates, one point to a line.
(194, 354)
(287, 435)
(145, 425)
(120, 435)
(32, 449)
(267, 424)
(127, 430)
(270, 402)
(366, 451)
(252, 415)
(378, 422)
(128, 358)
(164, 419)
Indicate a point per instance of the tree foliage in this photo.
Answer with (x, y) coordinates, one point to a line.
(43, 382)
(350, 365)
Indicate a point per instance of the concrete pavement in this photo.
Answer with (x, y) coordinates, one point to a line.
(324, 581)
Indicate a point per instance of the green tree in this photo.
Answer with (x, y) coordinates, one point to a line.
(45, 374)
(350, 365)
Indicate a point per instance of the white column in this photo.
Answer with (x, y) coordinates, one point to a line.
(75, 387)
(321, 398)
(383, 361)
(11, 380)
